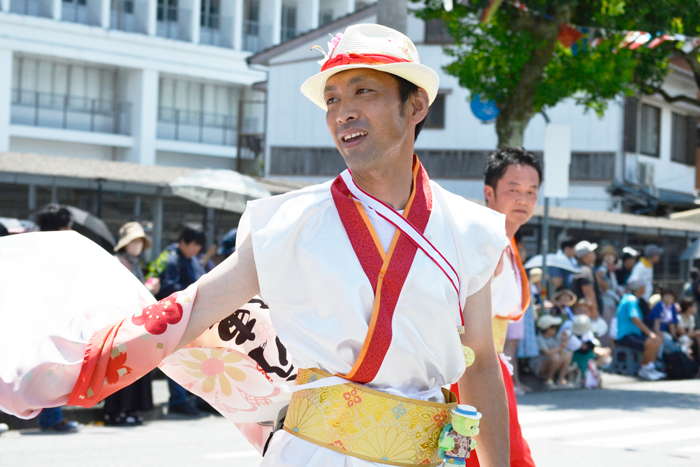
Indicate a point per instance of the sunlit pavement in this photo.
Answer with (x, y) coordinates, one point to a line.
(628, 423)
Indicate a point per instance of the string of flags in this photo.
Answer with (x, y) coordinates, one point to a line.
(570, 35)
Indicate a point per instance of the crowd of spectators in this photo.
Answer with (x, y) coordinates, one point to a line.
(601, 299)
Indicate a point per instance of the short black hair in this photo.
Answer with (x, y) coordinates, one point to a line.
(500, 160)
(686, 302)
(3, 231)
(189, 235)
(567, 242)
(406, 90)
(53, 217)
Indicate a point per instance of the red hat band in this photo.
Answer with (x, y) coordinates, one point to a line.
(353, 58)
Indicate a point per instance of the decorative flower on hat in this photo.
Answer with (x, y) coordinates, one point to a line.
(331, 47)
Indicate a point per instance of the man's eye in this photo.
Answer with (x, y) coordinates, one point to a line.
(362, 90)
(331, 100)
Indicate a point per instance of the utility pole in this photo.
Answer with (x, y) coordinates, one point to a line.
(393, 14)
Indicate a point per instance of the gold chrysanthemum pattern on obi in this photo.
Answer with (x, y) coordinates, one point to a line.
(368, 424)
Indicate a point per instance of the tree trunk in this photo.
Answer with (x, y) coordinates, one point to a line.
(518, 108)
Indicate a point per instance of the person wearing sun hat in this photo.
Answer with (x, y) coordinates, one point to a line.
(127, 406)
(377, 283)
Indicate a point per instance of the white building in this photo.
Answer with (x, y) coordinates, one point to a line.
(643, 149)
(148, 81)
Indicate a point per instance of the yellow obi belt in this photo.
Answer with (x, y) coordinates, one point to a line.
(368, 424)
(500, 327)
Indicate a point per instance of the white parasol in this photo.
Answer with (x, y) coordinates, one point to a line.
(219, 189)
(554, 260)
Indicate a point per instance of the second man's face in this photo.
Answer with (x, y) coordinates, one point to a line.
(515, 194)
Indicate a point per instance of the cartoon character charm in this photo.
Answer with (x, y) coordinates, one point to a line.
(456, 441)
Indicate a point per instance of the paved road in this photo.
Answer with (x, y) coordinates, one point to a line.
(628, 423)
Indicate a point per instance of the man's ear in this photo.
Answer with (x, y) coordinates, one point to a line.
(420, 102)
(489, 195)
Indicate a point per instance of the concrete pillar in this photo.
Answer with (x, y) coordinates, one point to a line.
(157, 232)
(350, 6)
(276, 17)
(188, 24)
(5, 5)
(103, 13)
(150, 15)
(56, 9)
(142, 93)
(137, 208)
(307, 15)
(232, 24)
(393, 14)
(5, 98)
(31, 205)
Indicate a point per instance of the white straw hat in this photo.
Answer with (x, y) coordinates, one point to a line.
(376, 47)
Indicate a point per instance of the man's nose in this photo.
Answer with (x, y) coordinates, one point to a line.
(347, 113)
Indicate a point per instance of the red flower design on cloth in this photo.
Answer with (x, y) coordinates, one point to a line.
(157, 316)
(116, 368)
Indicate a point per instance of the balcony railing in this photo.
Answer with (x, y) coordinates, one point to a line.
(31, 8)
(197, 127)
(173, 22)
(69, 112)
(256, 37)
(122, 21)
(74, 13)
(216, 30)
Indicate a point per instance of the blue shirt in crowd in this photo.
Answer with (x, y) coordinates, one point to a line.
(666, 314)
(626, 310)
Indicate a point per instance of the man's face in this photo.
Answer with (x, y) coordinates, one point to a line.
(654, 259)
(668, 298)
(628, 263)
(515, 194)
(366, 119)
(189, 249)
(589, 258)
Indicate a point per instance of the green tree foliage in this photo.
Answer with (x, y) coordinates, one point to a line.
(517, 61)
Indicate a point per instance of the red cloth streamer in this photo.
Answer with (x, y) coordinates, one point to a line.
(351, 58)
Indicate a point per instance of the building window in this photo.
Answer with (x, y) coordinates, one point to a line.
(435, 120)
(436, 32)
(325, 17)
(69, 96)
(289, 22)
(197, 112)
(75, 11)
(683, 139)
(650, 130)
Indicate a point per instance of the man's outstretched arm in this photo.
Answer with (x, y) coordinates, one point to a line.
(482, 383)
(222, 291)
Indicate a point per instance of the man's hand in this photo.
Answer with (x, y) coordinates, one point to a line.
(482, 383)
(222, 291)
(652, 335)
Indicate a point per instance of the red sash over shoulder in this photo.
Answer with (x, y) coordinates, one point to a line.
(386, 272)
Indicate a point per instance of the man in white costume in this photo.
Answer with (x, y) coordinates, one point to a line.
(380, 277)
(301, 258)
(512, 181)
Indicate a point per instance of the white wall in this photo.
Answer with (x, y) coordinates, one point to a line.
(62, 148)
(5, 97)
(194, 161)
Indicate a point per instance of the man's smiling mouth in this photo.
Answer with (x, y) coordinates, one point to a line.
(354, 135)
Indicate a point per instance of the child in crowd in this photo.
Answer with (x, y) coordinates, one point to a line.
(554, 358)
(563, 300)
(689, 336)
(663, 319)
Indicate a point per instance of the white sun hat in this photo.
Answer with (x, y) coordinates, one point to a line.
(376, 47)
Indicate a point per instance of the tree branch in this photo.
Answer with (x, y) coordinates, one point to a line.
(671, 99)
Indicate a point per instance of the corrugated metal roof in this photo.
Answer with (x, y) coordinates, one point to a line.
(110, 171)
